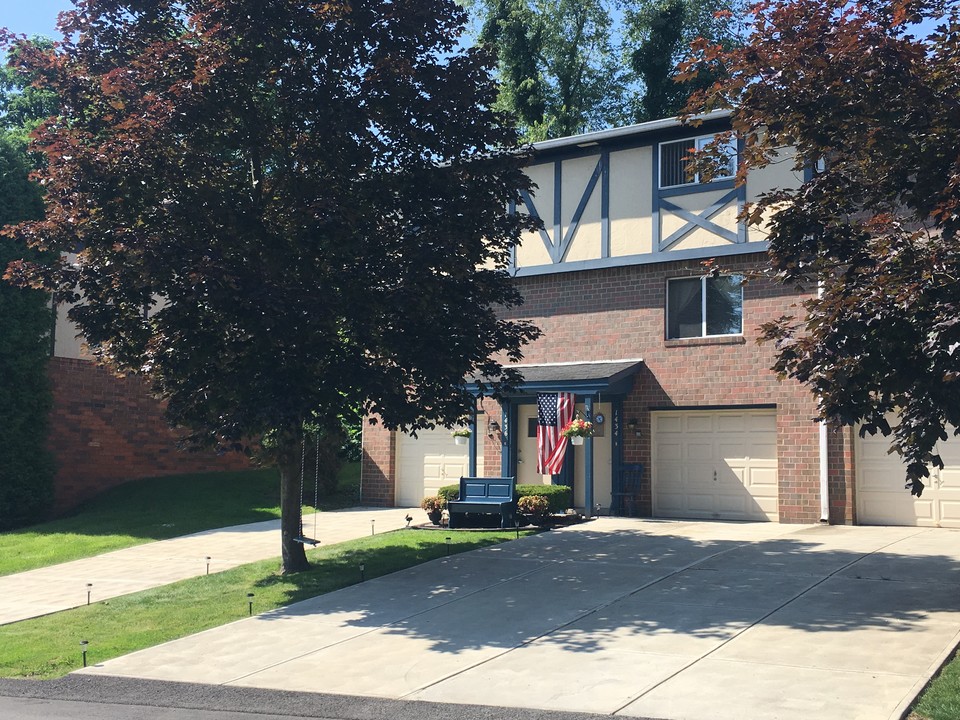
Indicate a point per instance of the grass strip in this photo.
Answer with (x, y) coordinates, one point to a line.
(941, 700)
(49, 646)
(157, 509)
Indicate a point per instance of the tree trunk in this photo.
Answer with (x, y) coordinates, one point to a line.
(294, 556)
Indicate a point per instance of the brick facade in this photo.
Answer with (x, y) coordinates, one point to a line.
(378, 466)
(619, 313)
(106, 430)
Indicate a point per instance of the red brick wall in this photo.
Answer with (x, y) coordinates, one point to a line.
(378, 466)
(843, 506)
(106, 430)
(618, 313)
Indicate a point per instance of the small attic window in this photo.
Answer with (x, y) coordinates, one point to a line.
(675, 156)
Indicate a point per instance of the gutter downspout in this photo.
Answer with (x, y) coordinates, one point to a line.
(824, 459)
(824, 476)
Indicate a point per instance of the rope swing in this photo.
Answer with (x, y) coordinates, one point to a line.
(302, 539)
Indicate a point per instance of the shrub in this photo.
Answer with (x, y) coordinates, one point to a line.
(433, 502)
(449, 492)
(536, 505)
(560, 497)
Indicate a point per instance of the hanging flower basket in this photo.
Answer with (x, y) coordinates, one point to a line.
(576, 430)
(462, 436)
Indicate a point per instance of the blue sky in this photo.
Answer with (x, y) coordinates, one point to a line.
(32, 17)
(39, 17)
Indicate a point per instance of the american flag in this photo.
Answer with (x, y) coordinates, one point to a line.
(554, 411)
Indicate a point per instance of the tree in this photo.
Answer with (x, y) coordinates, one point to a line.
(560, 71)
(26, 467)
(573, 66)
(281, 209)
(874, 115)
(661, 32)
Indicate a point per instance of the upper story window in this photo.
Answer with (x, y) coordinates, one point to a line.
(675, 156)
(704, 306)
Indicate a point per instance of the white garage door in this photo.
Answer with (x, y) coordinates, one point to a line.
(882, 499)
(715, 464)
(428, 462)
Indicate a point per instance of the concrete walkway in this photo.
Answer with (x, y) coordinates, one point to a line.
(60, 587)
(683, 620)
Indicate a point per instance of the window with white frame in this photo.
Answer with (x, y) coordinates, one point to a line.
(704, 306)
(675, 158)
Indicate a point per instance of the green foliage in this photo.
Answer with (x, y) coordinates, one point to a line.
(536, 505)
(449, 492)
(306, 187)
(46, 647)
(560, 497)
(26, 467)
(876, 229)
(661, 32)
(572, 66)
(560, 73)
(432, 503)
(156, 509)
(941, 700)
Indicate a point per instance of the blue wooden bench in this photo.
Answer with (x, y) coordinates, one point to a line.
(487, 496)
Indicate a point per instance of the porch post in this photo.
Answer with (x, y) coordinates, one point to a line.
(616, 447)
(506, 437)
(472, 445)
(588, 461)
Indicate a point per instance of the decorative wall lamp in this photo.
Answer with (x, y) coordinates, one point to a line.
(493, 428)
(633, 427)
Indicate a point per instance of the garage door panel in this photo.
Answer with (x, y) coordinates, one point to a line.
(699, 423)
(732, 423)
(671, 451)
(729, 469)
(699, 451)
(764, 479)
(669, 424)
(882, 498)
(701, 503)
(950, 512)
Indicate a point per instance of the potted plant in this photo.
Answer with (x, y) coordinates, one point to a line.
(461, 435)
(535, 506)
(576, 430)
(434, 505)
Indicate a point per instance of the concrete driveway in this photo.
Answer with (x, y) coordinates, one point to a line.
(683, 620)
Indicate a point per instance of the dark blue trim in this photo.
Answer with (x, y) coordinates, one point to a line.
(555, 255)
(645, 259)
(701, 219)
(578, 213)
(605, 205)
(506, 437)
(741, 198)
(588, 461)
(616, 447)
(472, 447)
(532, 209)
(656, 229)
(695, 188)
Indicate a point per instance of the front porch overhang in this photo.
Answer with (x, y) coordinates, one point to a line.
(607, 377)
(590, 381)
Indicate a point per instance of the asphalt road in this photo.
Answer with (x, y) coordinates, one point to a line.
(78, 697)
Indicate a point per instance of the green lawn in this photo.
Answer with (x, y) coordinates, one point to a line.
(941, 701)
(156, 509)
(49, 646)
